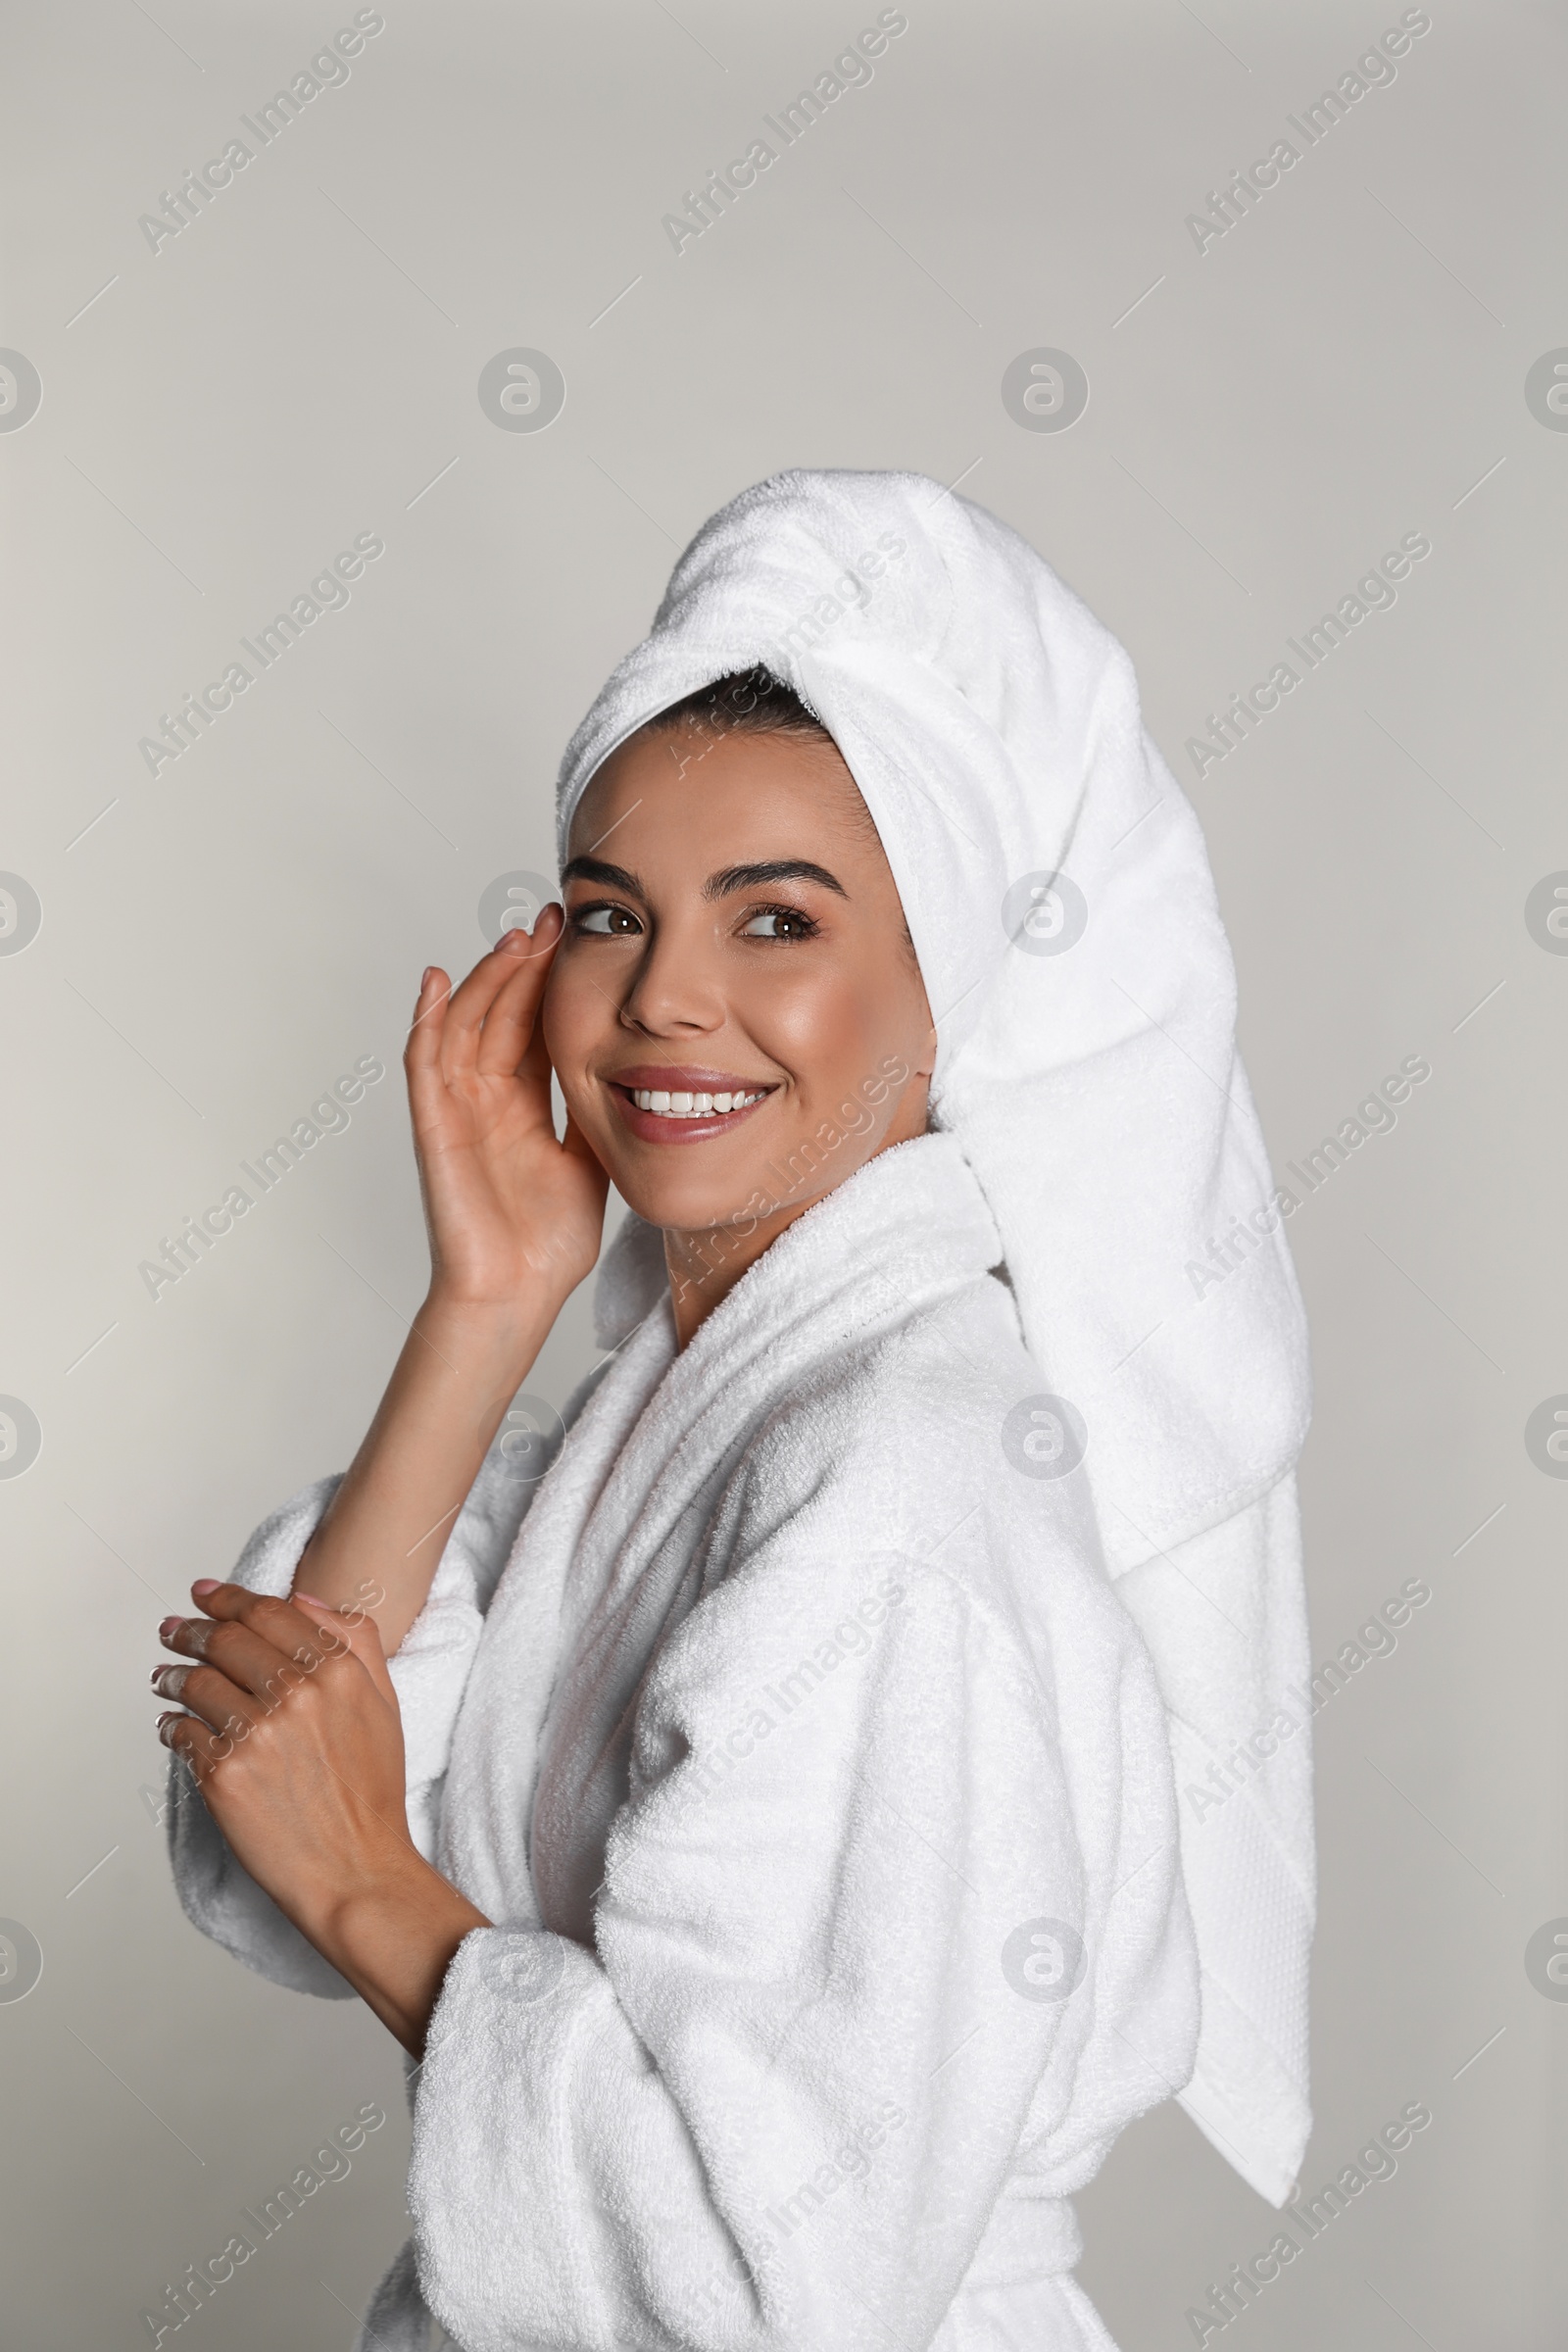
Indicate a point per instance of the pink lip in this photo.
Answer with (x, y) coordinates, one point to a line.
(683, 1077)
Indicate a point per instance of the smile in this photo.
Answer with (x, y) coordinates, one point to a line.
(689, 1107)
(689, 1112)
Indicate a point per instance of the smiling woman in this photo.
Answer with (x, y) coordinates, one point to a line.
(740, 2018)
(742, 1007)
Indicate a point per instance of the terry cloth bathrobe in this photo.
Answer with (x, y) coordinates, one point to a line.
(815, 1727)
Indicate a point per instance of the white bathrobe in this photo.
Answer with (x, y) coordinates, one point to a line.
(820, 1787)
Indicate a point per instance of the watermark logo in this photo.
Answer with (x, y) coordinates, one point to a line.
(1245, 1235)
(21, 1436)
(327, 70)
(708, 201)
(21, 914)
(328, 1115)
(1045, 1437)
(1545, 912)
(1231, 2298)
(798, 1676)
(1545, 390)
(20, 1960)
(851, 592)
(1044, 913)
(1378, 1638)
(1545, 1436)
(521, 390)
(1374, 592)
(187, 2297)
(528, 1440)
(1546, 1959)
(1375, 69)
(1045, 390)
(513, 902)
(521, 1967)
(20, 391)
(1043, 1960)
(328, 591)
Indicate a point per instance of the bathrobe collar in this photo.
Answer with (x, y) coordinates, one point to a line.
(908, 1226)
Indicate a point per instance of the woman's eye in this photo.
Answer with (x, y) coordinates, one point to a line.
(778, 923)
(606, 922)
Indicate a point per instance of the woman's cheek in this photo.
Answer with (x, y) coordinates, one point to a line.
(567, 1016)
(848, 1020)
(807, 1020)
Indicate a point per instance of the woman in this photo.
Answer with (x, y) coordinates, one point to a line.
(824, 1869)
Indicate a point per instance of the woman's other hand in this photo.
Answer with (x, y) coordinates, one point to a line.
(294, 1736)
(293, 1733)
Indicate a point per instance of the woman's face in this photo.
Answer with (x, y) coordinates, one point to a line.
(733, 931)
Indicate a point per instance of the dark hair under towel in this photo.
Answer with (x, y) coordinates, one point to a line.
(753, 701)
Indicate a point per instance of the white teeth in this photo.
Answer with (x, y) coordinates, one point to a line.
(687, 1106)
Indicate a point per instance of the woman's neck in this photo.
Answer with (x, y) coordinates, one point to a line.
(705, 1264)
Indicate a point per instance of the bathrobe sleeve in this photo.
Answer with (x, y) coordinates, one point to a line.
(849, 1952)
(430, 1672)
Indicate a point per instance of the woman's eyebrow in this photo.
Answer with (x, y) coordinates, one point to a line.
(775, 870)
(595, 870)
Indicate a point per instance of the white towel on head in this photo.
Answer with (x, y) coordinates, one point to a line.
(1060, 898)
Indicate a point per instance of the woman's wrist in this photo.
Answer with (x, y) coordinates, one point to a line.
(490, 1335)
(461, 1367)
(392, 1929)
(502, 1328)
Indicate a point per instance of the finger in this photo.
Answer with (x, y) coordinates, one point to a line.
(201, 1748)
(250, 1661)
(512, 1026)
(423, 1043)
(257, 1640)
(203, 1691)
(422, 1052)
(506, 995)
(517, 958)
(288, 1630)
(363, 1635)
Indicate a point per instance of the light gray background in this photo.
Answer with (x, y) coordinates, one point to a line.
(219, 418)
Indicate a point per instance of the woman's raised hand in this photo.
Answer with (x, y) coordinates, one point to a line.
(509, 1206)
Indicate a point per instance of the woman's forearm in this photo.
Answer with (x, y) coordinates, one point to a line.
(383, 1533)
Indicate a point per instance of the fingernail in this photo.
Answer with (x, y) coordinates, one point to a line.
(206, 1584)
(168, 1627)
(424, 978)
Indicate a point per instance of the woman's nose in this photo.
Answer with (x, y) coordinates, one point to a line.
(675, 986)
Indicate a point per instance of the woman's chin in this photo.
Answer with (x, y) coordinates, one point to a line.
(695, 1187)
(684, 1204)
